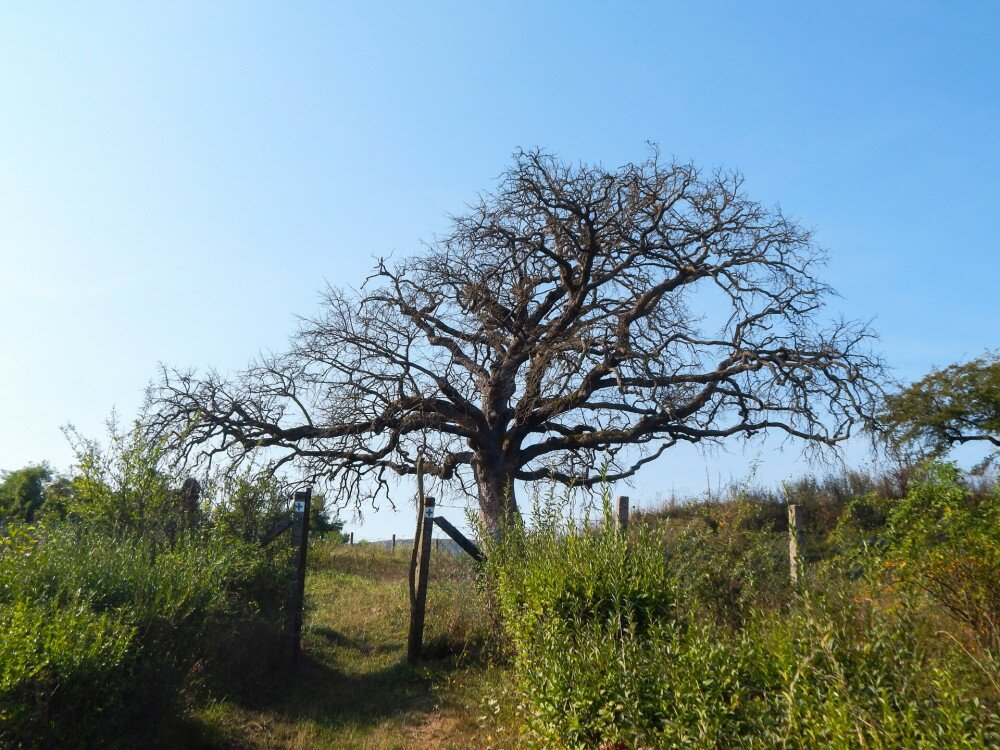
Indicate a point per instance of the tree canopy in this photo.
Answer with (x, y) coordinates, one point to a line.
(957, 405)
(573, 324)
(23, 492)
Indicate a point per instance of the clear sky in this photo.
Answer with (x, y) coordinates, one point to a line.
(178, 180)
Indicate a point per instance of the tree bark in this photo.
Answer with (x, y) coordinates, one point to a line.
(497, 504)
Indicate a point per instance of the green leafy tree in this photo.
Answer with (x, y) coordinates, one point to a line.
(322, 521)
(249, 505)
(23, 492)
(127, 484)
(959, 404)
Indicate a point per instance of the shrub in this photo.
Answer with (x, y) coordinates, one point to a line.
(62, 673)
(944, 540)
(611, 650)
(111, 626)
(558, 571)
(728, 571)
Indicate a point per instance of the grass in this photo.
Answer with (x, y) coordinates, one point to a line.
(353, 687)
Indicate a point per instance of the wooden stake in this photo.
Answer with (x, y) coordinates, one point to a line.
(794, 543)
(622, 514)
(460, 539)
(416, 537)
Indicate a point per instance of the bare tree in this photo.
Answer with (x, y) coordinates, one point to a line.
(573, 324)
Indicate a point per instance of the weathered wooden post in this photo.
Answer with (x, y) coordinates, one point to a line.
(352, 537)
(416, 536)
(300, 545)
(418, 599)
(622, 514)
(190, 501)
(393, 542)
(794, 543)
(459, 538)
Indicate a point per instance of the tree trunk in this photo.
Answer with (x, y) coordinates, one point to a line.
(496, 494)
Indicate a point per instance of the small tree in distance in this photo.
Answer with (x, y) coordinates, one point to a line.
(954, 406)
(574, 324)
(23, 492)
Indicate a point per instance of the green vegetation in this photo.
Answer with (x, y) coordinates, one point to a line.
(959, 404)
(103, 633)
(684, 633)
(943, 541)
(131, 618)
(354, 688)
(122, 602)
(687, 633)
(27, 492)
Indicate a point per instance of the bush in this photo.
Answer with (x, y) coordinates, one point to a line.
(112, 626)
(574, 602)
(249, 506)
(611, 649)
(558, 571)
(943, 540)
(728, 571)
(63, 672)
(126, 487)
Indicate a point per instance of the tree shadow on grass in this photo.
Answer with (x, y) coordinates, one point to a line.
(336, 638)
(316, 690)
(334, 698)
(311, 692)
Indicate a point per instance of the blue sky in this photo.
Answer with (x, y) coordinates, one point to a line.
(178, 180)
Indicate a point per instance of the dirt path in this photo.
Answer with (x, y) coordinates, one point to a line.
(354, 688)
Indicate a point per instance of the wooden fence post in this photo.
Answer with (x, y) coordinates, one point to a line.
(352, 537)
(794, 543)
(190, 501)
(416, 537)
(393, 542)
(418, 600)
(622, 514)
(459, 538)
(300, 545)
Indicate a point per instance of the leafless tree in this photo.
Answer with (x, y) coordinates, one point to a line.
(575, 323)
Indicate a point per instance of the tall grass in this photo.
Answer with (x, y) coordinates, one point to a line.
(689, 635)
(116, 607)
(104, 631)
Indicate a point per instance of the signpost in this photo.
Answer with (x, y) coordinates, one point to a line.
(300, 545)
(419, 568)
